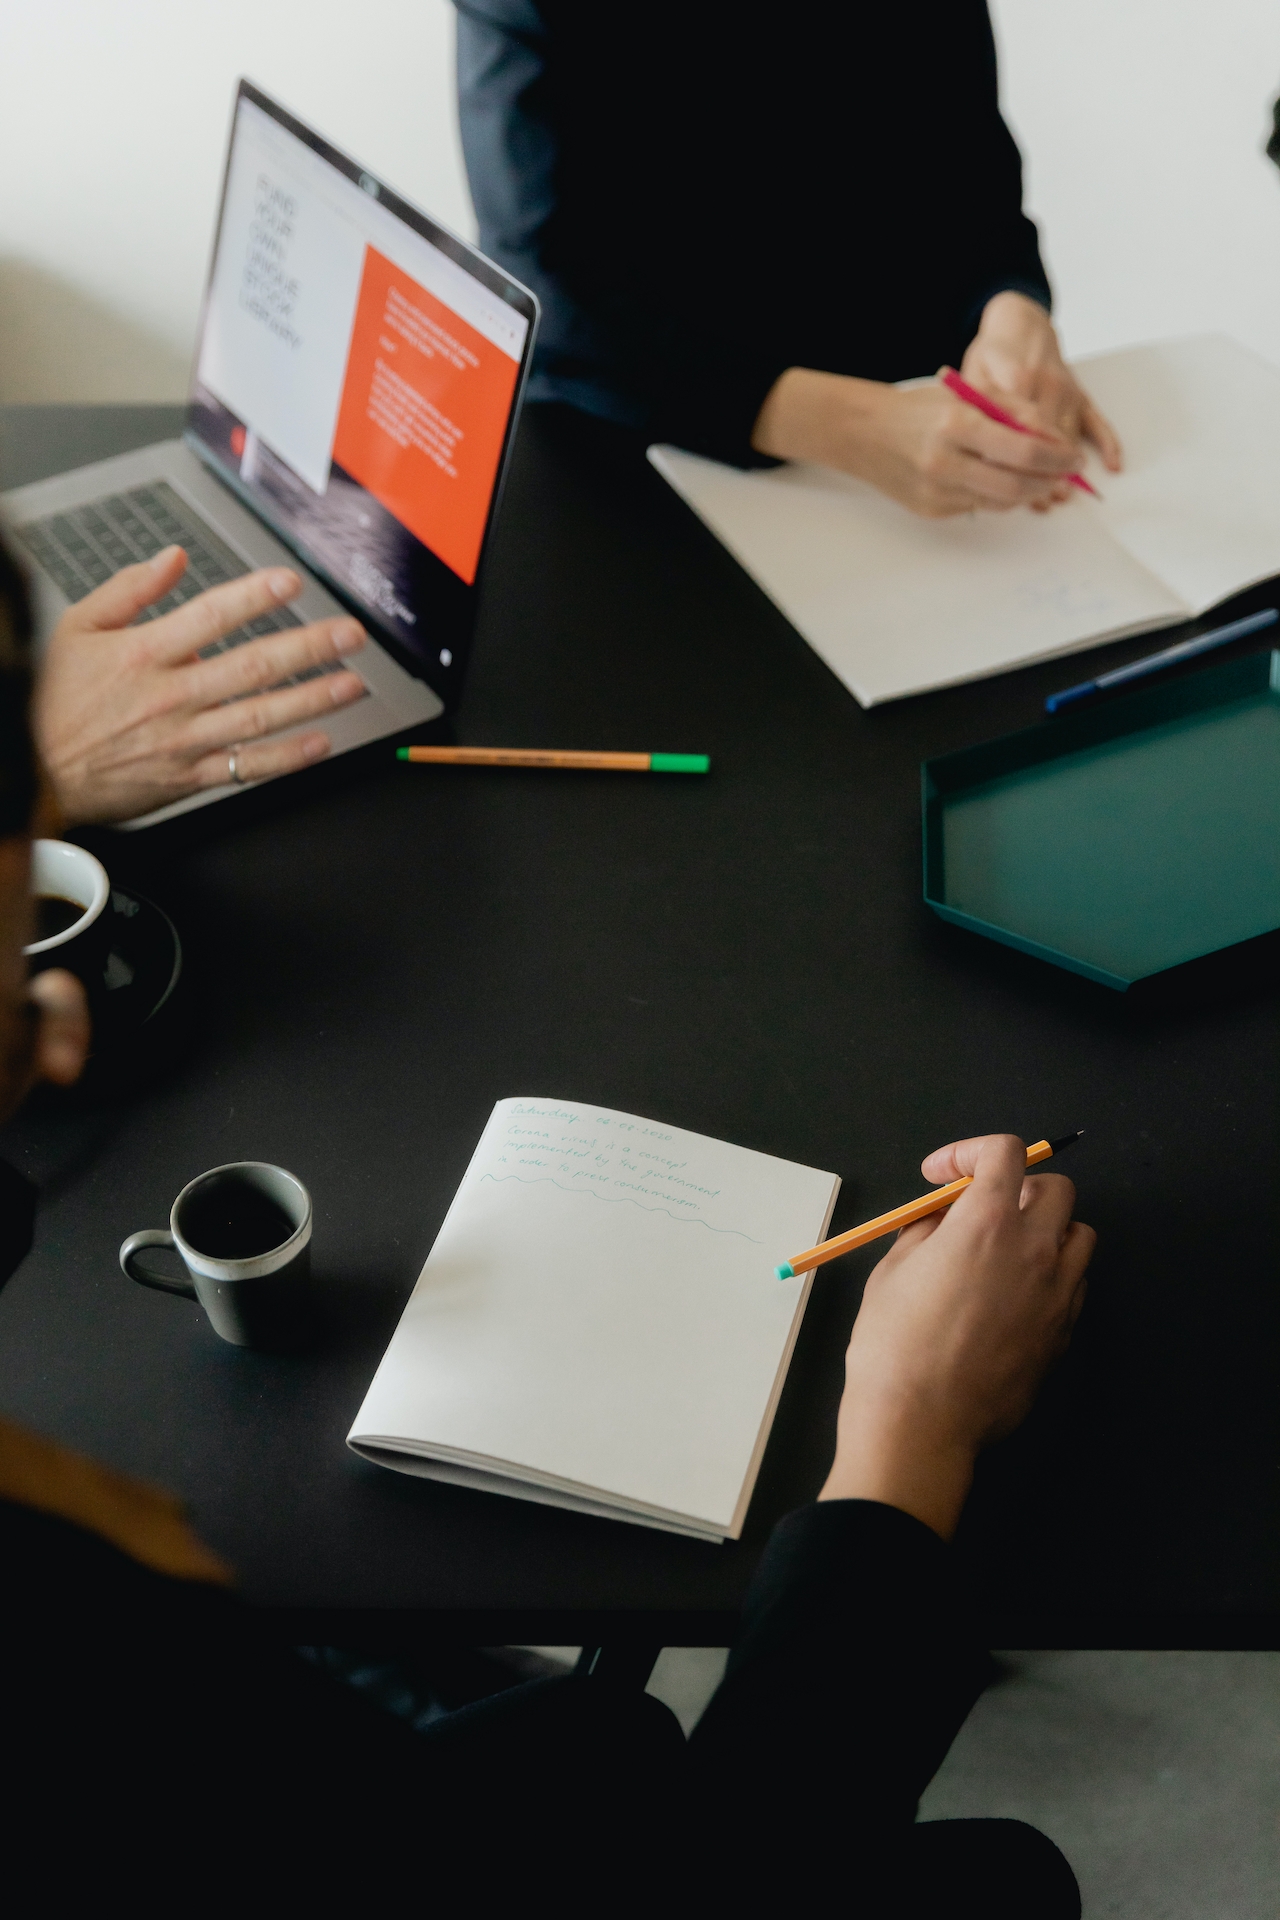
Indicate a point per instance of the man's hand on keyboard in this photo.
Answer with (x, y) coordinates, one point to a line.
(128, 718)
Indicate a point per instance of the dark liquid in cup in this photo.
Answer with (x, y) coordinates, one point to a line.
(54, 915)
(230, 1220)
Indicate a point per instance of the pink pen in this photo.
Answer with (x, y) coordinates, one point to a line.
(963, 391)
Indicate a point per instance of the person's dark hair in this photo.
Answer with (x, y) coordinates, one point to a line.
(17, 755)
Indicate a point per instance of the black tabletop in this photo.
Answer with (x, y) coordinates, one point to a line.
(378, 955)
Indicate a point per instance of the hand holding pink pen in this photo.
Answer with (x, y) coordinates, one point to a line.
(963, 391)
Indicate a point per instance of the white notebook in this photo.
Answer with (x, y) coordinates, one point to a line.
(896, 604)
(599, 1325)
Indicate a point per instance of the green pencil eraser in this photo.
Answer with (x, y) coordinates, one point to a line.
(785, 1271)
(679, 763)
(402, 753)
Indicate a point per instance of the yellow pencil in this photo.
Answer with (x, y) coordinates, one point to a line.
(903, 1216)
(555, 757)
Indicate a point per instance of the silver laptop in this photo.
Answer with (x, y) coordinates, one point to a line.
(358, 376)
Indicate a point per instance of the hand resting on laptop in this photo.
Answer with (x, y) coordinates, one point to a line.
(128, 718)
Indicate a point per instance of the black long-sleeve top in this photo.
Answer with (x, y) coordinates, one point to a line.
(704, 193)
(157, 1736)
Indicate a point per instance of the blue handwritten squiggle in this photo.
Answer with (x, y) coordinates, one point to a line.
(623, 1200)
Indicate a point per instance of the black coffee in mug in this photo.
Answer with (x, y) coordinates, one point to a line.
(54, 915)
(70, 908)
(230, 1220)
(244, 1234)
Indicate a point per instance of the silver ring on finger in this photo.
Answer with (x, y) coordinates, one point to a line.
(234, 771)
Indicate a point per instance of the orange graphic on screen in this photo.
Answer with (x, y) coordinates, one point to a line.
(424, 410)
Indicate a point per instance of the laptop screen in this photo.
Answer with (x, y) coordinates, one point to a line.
(357, 379)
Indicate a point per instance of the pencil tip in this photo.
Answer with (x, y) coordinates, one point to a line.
(1067, 1140)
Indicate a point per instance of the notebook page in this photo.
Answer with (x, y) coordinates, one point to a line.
(895, 603)
(1199, 501)
(600, 1309)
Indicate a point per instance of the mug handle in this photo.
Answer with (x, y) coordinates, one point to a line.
(150, 1237)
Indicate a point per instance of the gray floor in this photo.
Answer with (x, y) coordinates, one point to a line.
(1158, 1774)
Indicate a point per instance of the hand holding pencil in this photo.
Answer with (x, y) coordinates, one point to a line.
(905, 1216)
(958, 1325)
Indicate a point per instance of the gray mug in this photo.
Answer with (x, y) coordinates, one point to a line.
(244, 1234)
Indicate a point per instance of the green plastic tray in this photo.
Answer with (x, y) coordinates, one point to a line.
(1121, 840)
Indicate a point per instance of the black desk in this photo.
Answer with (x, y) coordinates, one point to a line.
(380, 959)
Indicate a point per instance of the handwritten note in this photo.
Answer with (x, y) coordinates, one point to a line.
(895, 603)
(611, 1158)
(599, 1322)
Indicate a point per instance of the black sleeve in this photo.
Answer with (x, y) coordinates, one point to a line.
(598, 348)
(687, 247)
(165, 1736)
(17, 1219)
(512, 149)
(856, 1665)
(932, 237)
(166, 1745)
(978, 167)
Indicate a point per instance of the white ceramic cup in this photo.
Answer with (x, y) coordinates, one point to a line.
(64, 872)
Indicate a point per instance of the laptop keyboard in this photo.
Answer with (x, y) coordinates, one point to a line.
(82, 548)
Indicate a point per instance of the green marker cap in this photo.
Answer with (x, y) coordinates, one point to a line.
(679, 763)
(786, 1271)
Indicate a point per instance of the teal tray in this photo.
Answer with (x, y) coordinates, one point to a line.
(1121, 840)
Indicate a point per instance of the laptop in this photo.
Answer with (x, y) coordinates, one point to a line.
(358, 377)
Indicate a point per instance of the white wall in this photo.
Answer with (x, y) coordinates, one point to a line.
(1142, 122)
(113, 125)
(1142, 125)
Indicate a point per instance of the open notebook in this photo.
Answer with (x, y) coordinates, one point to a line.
(896, 604)
(598, 1325)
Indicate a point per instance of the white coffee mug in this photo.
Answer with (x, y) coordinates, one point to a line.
(61, 871)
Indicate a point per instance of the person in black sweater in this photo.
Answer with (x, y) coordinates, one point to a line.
(161, 1746)
(744, 227)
